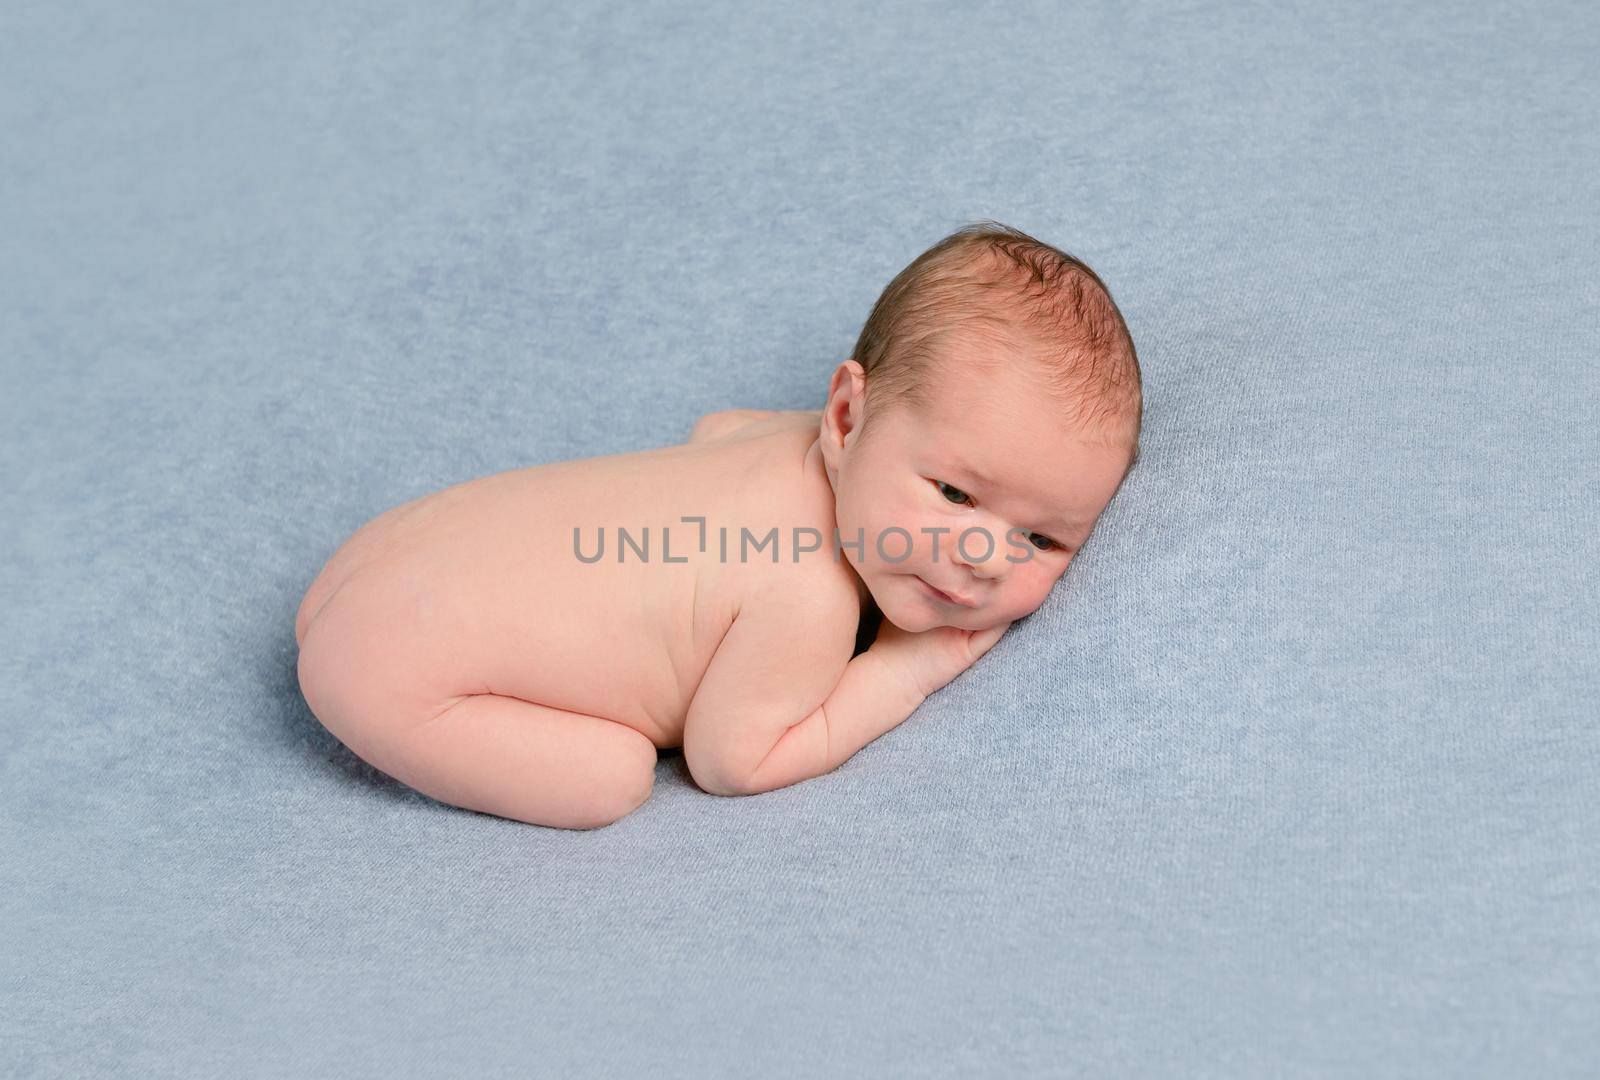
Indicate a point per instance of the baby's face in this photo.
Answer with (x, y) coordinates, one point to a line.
(992, 460)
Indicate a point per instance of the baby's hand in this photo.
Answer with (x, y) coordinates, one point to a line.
(934, 657)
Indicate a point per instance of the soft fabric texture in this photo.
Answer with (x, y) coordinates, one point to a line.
(1294, 774)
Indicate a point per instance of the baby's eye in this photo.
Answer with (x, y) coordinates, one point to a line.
(954, 494)
(1043, 543)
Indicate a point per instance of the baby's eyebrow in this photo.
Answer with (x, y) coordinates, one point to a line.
(969, 473)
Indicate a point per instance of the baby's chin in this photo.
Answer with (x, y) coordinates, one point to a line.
(914, 618)
(915, 624)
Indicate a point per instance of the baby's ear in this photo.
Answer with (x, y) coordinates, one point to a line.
(843, 413)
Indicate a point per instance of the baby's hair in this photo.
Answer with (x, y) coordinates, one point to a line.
(1002, 284)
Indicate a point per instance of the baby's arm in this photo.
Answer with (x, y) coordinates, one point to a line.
(755, 723)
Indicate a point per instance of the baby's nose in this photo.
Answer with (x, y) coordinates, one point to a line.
(978, 550)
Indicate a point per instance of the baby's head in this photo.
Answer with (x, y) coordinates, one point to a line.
(989, 413)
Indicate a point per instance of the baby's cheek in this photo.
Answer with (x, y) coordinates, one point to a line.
(856, 529)
(1034, 586)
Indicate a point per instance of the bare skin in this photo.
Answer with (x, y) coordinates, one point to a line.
(459, 643)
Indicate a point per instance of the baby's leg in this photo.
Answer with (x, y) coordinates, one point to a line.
(516, 759)
(368, 682)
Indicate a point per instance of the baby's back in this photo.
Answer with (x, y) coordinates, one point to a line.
(483, 588)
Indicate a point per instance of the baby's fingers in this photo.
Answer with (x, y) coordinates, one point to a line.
(984, 640)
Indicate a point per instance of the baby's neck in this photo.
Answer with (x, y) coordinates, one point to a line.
(814, 462)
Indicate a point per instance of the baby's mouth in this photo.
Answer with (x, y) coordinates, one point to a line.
(940, 594)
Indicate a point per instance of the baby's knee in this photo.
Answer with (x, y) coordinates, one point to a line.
(632, 778)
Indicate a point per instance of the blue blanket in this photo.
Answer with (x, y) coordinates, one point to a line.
(1294, 774)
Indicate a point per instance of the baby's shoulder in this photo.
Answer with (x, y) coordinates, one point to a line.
(774, 528)
(764, 476)
(814, 596)
(800, 615)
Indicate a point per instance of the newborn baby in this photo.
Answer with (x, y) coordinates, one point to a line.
(523, 643)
